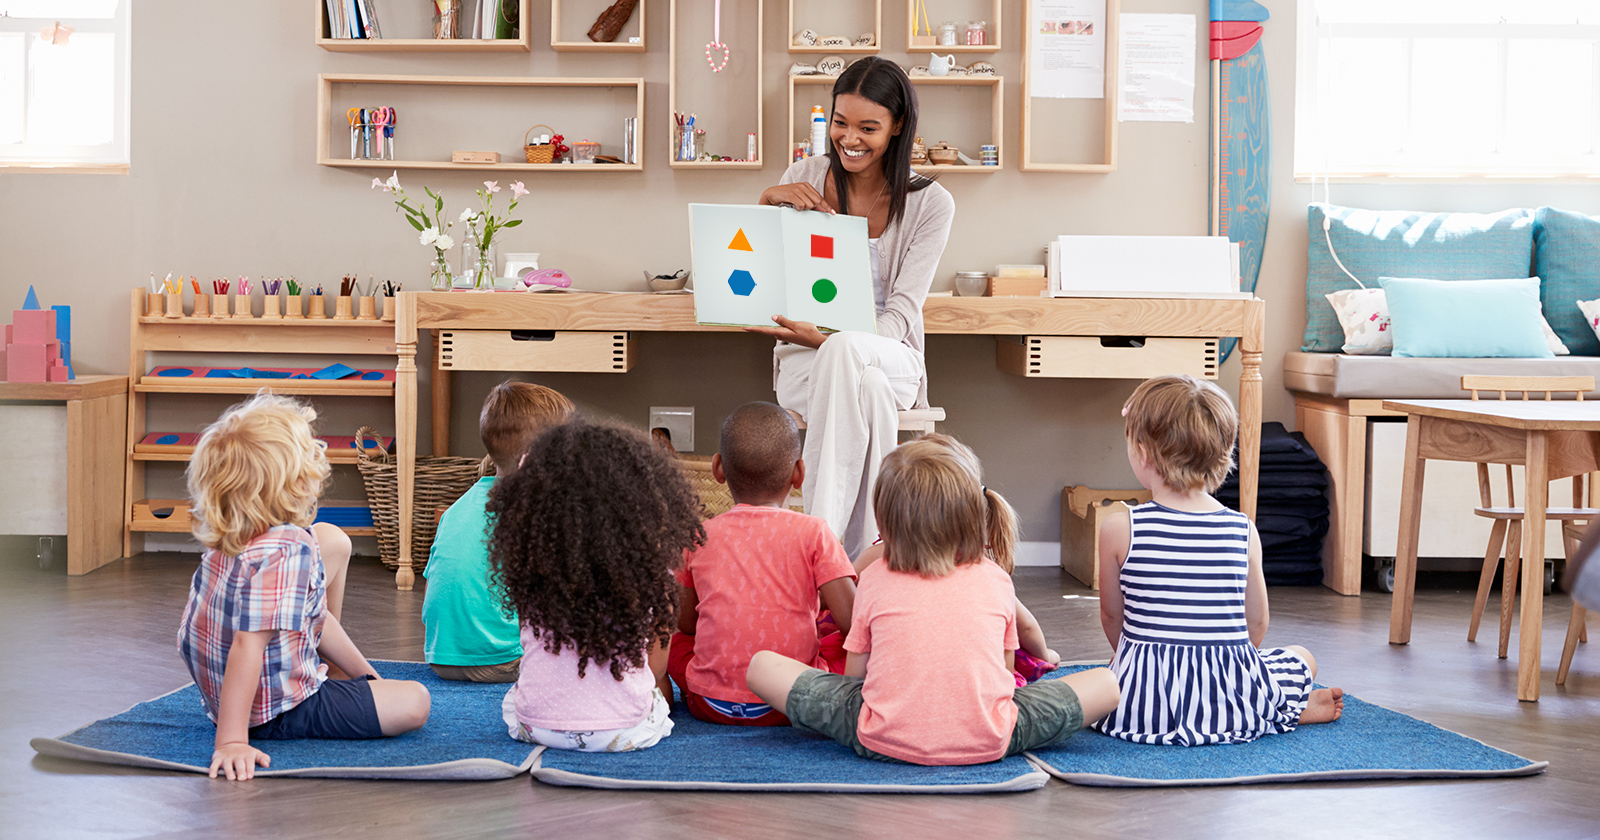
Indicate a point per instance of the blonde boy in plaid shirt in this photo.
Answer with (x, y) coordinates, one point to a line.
(264, 605)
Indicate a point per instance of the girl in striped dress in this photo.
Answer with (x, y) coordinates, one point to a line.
(1183, 600)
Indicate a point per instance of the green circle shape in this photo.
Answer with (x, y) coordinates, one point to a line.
(824, 290)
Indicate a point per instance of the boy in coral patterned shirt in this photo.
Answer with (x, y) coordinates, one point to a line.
(754, 584)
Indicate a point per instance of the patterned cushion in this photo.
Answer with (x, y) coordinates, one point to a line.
(1364, 316)
(1568, 258)
(1403, 243)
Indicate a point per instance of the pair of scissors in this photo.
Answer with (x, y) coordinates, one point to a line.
(357, 118)
(383, 124)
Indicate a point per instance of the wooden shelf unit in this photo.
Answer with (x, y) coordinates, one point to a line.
(672, 96)
(299, 336)
(597, 46)
(877, 35)
(996, 84)
(325, 120)
(911, 25)
(522, 43)
(1108, 159)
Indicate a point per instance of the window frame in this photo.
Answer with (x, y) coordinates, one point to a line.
(113, 158)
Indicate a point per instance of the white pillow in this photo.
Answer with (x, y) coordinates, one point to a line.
(1364, 315)
(1591, 313)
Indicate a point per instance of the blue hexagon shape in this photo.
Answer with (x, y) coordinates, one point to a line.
(741, 282)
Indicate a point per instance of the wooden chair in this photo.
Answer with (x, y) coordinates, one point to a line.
(915, 420)
(1505, 537)
(1571, 535)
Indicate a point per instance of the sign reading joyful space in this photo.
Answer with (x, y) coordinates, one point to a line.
(752, 262)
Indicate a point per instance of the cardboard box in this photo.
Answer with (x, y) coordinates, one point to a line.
(1082, 511)
(1017, 286)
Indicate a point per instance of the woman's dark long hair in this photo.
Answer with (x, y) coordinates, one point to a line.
(882, 81)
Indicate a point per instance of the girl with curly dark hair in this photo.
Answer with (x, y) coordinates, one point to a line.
(586, 535)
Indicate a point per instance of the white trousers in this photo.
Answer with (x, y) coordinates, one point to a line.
(848, 391)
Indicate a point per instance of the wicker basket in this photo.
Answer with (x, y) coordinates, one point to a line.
(715, 497)
(539, 152)
(438, 482)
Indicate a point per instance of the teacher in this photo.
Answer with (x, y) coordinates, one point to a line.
(848, 385)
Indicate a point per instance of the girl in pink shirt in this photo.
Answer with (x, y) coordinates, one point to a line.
(586, 535)
(928, 678)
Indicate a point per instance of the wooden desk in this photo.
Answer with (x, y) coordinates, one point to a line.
(97, 410)
(1243, 319)
(1550, 439)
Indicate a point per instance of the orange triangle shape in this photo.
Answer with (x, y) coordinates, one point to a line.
(740, 243)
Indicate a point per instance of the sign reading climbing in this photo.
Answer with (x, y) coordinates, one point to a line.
(752, 262)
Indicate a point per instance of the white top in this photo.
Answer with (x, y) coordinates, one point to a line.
(879, 298)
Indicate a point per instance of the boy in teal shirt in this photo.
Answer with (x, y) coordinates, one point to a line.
(468, 635)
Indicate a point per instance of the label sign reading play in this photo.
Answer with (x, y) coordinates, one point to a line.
(752, 262)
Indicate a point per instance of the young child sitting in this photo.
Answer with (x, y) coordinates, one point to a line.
(1033, 658)
(586, 535)
(927, 680)
(467, 636)
(755, 582)
(1182, 597)
(264, 605)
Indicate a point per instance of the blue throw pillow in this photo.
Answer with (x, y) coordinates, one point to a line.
(1468, 319)
(1405, 243)
(1567, 256)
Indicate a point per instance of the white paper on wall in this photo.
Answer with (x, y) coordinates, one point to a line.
(1156, 80)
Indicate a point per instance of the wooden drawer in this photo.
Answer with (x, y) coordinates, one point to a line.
(1091, 357)
(536, 350)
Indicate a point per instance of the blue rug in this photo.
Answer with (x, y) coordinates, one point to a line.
(706, 756)
(464, 740)
(1367, 742)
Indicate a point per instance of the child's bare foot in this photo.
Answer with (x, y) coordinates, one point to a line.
(1325, 706)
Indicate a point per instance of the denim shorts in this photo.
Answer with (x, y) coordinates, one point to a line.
(830, 704)
(339, 709)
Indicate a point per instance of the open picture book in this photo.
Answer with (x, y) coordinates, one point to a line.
(753, 262)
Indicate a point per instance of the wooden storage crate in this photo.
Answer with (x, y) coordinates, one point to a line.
(1092, 357)
(1082, 511)
(536, 350)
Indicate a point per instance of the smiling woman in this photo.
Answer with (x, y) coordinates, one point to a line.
(848, 385)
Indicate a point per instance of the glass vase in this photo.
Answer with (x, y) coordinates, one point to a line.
(439, 278)
(478, 265)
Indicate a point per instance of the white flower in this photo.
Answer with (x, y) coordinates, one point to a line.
(429, 237)
(467, 215)
(393, 183)
(444, 242)
(517, 190)
(492, 186)
(377, 183)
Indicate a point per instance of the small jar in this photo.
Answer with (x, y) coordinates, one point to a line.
(947, 34)
(977, 33)
(972, 283)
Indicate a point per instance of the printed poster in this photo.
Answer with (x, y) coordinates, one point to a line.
(1067, 49)
(1156, 83)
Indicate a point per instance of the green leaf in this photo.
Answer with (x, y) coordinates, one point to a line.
(416, 224)
(439, 204)
(512, 223)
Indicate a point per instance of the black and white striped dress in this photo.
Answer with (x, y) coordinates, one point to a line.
(1187, 670)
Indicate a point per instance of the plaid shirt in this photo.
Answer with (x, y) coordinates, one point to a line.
(277, 583)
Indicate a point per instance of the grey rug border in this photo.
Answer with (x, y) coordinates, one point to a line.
(1532, 768)
(460, 770)
(1033, 780)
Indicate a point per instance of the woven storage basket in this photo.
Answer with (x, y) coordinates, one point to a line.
(539, 152)
(438, 482)
(715, 497)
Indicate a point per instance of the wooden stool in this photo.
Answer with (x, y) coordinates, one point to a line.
(1572, 534)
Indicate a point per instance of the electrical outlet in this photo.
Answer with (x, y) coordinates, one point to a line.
(678, 420)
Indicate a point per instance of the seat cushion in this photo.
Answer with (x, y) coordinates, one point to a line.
(1392, 378)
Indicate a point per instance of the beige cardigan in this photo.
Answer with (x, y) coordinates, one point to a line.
(908, 252)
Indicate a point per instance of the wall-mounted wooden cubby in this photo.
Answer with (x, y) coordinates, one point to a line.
(819, 89)
(743, 70)
(938, 11)
(500, 117)
(1071, 122)
(409, 27)
(570, 20)
(811, 17)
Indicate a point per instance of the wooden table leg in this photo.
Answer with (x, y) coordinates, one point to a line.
(95, 464)
(405, 425)
(1250, 345)
(440, 401)
(1536, 497)
(1405, 561)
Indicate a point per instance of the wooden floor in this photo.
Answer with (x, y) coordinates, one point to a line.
(76, 649)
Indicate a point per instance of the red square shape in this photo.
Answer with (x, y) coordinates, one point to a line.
(822, 247)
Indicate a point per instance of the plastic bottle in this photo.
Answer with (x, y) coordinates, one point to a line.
(819, 131)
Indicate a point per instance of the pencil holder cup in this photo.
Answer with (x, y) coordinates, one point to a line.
(202, 305)
(271, 307)
(294, 307)
(341, 308)
(174, 304)
(368, 308)
(241, 307)
(318, 308)
(153, 305)
(388, 308)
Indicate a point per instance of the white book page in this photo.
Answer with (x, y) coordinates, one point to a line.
(828, 269)
(738, 264)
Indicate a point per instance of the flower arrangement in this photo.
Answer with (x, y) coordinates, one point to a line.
(430, 225)
(482, 225)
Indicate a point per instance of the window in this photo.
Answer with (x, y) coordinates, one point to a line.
(64, 85)
(1448, 89)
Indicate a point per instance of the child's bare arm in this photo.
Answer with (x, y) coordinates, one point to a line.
(1031, 635)
(839, 596)
(342, 653)
(1114, 535)
(868, 557)
(1255, 592)
(855, 664)
(688, 610)
(232, 754)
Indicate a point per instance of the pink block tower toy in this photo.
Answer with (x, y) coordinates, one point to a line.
(32, 348)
